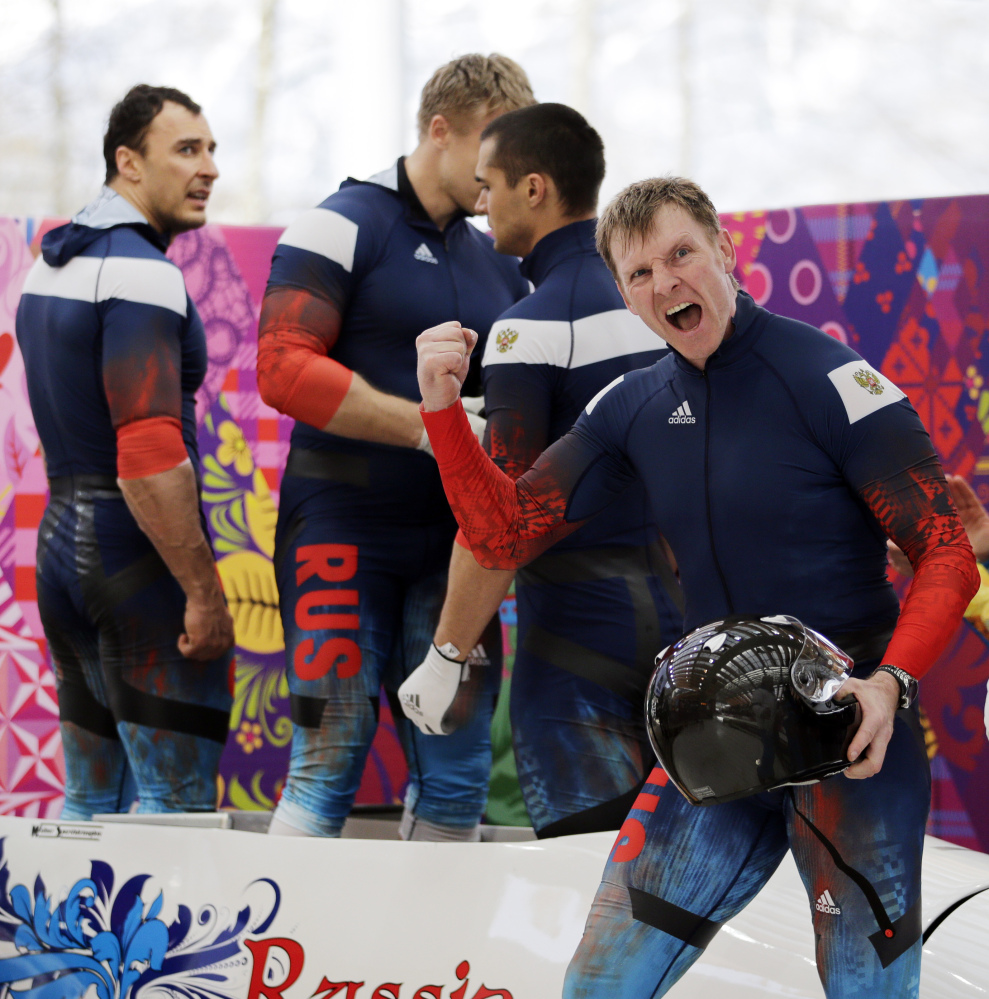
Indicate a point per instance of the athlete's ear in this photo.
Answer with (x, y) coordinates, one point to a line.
(128, 163)
(537, 189)
(727, 247)
(439, 131)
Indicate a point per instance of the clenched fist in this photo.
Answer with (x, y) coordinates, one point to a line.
(444, 356)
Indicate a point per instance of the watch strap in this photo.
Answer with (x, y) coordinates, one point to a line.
(907, 682)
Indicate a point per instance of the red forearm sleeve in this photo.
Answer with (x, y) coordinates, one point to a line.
(512, 447)
(295, 376)
(147, 447)
(915, 509)
(505, 523)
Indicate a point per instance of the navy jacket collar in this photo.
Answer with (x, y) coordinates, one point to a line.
(396, 180)
(109, 211)
(555, 247)
(749, 319)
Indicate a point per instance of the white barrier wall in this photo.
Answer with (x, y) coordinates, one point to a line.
(208, 913)
(117, 911)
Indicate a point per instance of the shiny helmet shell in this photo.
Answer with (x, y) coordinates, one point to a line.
(747, 704)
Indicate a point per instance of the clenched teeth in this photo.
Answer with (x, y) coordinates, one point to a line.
(679, 308)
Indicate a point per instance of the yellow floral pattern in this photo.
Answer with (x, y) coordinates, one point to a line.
(249, 736)
(241, 513)
(234, 450)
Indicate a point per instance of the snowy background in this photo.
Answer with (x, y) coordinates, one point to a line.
(765, 102)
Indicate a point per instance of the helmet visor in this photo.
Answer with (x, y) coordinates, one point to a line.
(820, 670)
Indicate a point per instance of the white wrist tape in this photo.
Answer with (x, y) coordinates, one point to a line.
(473, 404)
(477, 424)
(424, 444)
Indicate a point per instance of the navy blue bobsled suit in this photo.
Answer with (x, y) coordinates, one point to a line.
(777, 498)
(592, 611)
(110, 336)
(364, 532)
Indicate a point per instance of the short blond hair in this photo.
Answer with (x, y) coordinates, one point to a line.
(631, 214)
(473, 86)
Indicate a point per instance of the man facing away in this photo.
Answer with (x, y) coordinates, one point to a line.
(595, 608)
(128, 592)
(801, 461)
(364, 533)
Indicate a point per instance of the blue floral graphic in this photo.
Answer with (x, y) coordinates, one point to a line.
(117, 943)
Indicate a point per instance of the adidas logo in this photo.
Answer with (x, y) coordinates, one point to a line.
(682, 414)
(478, 657)
(411, 701)
(826, 904)
(425, 255)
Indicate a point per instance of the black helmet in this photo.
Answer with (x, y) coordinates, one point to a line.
(746, 704)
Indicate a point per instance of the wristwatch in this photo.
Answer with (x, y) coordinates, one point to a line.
(908, 683)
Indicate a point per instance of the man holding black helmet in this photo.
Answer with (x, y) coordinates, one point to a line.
(777, 499)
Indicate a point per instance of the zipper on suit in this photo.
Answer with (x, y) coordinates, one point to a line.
(707, 493)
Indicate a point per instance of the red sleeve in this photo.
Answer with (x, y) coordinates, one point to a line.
(914, 508)
(517, 409)
(149, 446)
(505, 523)
(295, 375)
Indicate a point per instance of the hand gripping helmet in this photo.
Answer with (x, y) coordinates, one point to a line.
(746, 704)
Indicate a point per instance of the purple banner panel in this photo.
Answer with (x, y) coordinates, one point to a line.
(905, 284)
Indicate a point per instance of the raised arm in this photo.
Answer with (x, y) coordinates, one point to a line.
(518, 403)
(506, 523)
(517, 431)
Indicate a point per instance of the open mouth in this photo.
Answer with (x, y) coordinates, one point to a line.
(685, 317)
(200, 197)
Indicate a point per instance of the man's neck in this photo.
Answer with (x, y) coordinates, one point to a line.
(131, 195)
(544, 225)
(420, 166)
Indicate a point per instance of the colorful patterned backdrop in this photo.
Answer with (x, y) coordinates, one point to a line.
(904, 283)
(243, 444)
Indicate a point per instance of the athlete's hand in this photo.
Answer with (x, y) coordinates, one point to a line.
(899, 561)
(429, 691)
(973, 515)
(444, 356)
(473, 404)
(209, 628)
(879, 699)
